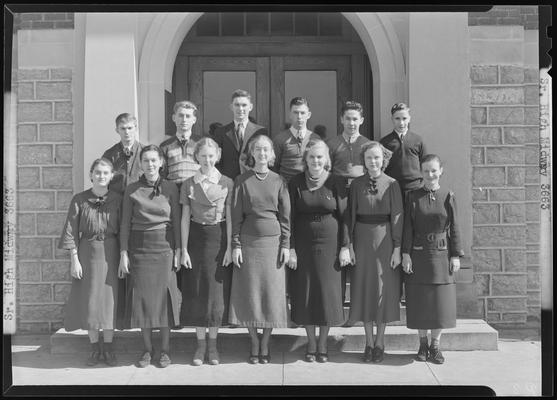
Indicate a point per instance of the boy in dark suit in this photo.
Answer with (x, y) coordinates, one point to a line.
(408, 151)
(234, 137)
(291, 143)
(124, 155)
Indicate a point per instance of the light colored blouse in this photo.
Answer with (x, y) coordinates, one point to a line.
(207, 196)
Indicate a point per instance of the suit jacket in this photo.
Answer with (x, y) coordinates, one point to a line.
(126, 170)
(230, 163)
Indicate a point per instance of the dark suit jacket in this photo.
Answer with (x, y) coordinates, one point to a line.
(125, 171)
(229, 163)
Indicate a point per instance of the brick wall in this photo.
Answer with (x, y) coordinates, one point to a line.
(44, 182)
(526, 16)
(505, 137)
(58, 20)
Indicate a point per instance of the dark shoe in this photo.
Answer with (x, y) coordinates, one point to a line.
(265, 359)
(164, 361)
(377, 354)
(435, 356)
(310, 357)
(322, 357)
(145, 360)
(95, 356)
(109, 356)
(367, 354)
(253, 359)
(423, 352)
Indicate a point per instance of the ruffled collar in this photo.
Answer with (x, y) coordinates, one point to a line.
(373, 183)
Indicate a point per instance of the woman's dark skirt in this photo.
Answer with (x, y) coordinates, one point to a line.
(92, 301)
(153, 298)
(431, 306)
(206, 287)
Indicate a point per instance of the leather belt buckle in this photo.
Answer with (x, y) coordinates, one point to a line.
(431, 237)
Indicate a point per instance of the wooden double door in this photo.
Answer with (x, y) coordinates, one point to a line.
(208, 81)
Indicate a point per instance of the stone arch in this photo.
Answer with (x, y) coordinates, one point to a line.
(168, 30)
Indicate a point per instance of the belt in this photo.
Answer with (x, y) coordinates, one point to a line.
(373, 218)
(208, 224)
(314, 217)
(432, 240)
(101, 237)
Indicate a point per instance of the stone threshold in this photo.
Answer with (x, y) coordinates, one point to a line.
(468, 335)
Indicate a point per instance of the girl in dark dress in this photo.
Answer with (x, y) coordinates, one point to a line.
(260, 249)
(375, 204)
(90, 234)
(431, 252)
(206, 251)
(318, 248)
(151, 231)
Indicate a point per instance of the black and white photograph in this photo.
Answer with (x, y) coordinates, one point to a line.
(288, 199)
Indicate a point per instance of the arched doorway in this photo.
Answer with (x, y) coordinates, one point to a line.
(166, 34)
(275, 56)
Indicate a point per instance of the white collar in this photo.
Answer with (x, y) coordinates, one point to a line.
(213, 176)
(295, 132)
(401, 135)
(244, 123)
(347, 138)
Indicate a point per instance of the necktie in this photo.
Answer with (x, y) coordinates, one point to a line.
(239, 135)
(183, 143)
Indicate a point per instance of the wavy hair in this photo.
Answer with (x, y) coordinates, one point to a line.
(370, 145)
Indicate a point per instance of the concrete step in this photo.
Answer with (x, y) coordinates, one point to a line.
(468, 335)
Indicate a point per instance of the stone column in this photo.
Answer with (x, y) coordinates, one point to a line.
(110, 81)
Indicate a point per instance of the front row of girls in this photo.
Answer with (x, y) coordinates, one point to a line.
(314, 224)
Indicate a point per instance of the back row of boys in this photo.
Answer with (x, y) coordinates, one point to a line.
(407, 147)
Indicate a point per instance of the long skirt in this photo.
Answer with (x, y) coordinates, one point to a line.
(316, 283)
(430, 306)
(374, 285)
(92, 301)
(257, 294)
(206, 287)
(153, 298)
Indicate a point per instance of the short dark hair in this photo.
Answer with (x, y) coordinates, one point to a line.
(100, 161)
(153, 147)
(125, 118)
(399, 107)
(431, 157)
(352, 105)
(240, 93)
(299, 101)
(185, 104)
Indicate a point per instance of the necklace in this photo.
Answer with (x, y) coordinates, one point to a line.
(262, 173)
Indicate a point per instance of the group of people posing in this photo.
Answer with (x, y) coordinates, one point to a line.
(231, 228)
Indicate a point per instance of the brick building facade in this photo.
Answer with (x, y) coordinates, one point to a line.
(504, 160)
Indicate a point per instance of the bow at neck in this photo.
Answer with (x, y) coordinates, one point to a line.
(373, 184)
(155, 185)
(97, 201)
(431, 193)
